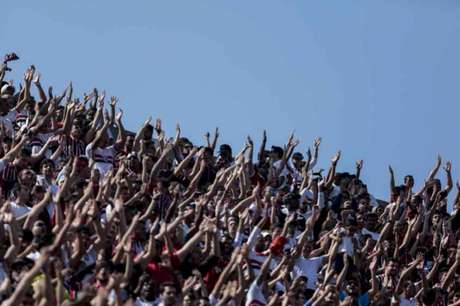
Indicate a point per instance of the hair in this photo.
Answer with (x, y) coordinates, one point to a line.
(167, 284)
(428, 296)
(47, 161)
(24, 152)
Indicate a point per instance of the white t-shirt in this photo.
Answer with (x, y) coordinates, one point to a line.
(7, 121)
(255, 296)
(375, 236)
(43, 137)
(308, 267)
(103, 158)
(141, 302)
(18, 210)
(346, 246)
(41, 181)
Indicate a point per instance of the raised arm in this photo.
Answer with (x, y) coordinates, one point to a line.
(435, 169)
(261, 155)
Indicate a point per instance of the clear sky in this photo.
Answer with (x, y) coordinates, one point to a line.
(377, 79)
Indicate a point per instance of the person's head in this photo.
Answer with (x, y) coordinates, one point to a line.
(185, 146)
(371, 221)
(392, 268)
(133, 162)
(148, 132)
(297, 160)
(332, 298)
(19, 268)
(22, 160)
(84, 236)
(276, 153)
(232, 224)
(203, 301)
(77, 130)
(22, 193)
(27, 177)
(102, 272)
(148, 289)
(38, 193)
(225, 151)
(263, 241)
(39, 228)
(352, 286)
(188, 299)
(409, 289)
(47, 168)
(436, 218)
(124, 193)
(226, 245)
(409, 181)
(429, 297)
(168, 294)
(308, 248)
(129, 143)
(7, 90)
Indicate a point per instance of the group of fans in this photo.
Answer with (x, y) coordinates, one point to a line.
(91, 214)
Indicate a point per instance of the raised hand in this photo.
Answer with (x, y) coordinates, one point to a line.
(359, 164)
(448, 167)
(147, 122)
(438, 160)
(317, 142)
(158, 128)
(178, 130)
(119, 115)
(113, 101)
(28, 76)
(249, 142)
(100, 99)
(336, 158)
(36, 79)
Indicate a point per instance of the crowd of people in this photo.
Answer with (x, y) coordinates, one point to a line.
(92, 214)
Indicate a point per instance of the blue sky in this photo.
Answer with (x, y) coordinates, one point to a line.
(377, 79)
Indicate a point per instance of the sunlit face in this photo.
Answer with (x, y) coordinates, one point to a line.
(169, 295)
(24, 193)
(124, 194)
(148, 290)
(39, 228)
(352, 287)
(187, 300)
(297, 162)
(103, 275)
(47, 169)
(409, 290)
(392, 268)
(77, 131)
(308, 247)
(129, 144)
(28, 177)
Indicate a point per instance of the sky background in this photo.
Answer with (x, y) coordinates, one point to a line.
(376, 79)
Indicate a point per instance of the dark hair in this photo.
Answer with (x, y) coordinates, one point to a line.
(428, 296)
(167, 284)
(46, 161)
(278, 151)
(25, 153)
